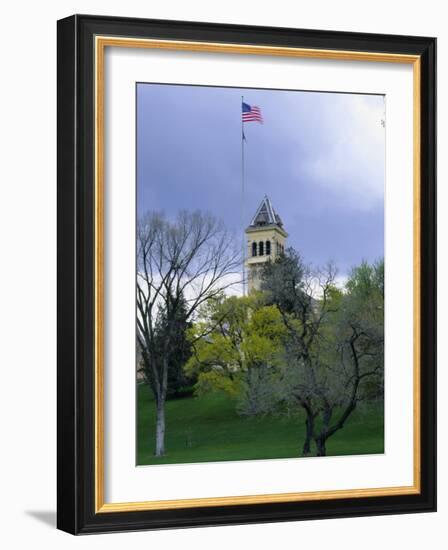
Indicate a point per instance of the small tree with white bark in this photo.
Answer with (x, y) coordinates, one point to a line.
(180, 265)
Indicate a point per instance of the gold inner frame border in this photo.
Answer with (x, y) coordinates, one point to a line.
(100, 44)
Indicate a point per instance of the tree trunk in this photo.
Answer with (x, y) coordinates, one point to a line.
(309, 424)
(321, 447)
(160, 428)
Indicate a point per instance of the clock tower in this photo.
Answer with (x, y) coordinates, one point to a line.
(266, 239)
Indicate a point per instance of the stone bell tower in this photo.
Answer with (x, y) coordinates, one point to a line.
(266, 239)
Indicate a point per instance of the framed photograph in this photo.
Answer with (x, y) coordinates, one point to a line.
(246, 274)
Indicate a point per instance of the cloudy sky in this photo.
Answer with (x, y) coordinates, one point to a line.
(320, 157)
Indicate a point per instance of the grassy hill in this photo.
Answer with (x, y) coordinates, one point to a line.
(207, 429)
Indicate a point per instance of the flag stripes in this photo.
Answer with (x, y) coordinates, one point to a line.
(251, 113)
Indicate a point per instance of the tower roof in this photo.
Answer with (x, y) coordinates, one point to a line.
(266, 215)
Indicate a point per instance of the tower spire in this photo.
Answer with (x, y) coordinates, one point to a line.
(265, 214)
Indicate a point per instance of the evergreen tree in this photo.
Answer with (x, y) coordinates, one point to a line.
(176, 325)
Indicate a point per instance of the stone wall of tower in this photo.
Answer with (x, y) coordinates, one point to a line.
(277, 239)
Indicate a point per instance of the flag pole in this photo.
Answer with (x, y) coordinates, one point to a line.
(243, 197)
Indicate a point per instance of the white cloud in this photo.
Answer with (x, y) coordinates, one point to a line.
(351, 161)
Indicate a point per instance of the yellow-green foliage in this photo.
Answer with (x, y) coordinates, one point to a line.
(233, 335)
(213, 380)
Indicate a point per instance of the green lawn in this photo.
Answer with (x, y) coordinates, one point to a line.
(205, 429)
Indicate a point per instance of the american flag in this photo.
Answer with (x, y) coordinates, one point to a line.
(251, 113)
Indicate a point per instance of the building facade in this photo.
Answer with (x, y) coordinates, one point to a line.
(266, 240)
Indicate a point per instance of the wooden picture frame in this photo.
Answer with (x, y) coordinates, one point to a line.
(82, 41)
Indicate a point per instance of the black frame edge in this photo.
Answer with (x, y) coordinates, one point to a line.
(67, 491)
(428, 325)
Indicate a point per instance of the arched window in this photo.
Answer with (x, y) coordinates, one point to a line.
(261, 248)
(254, 249)
(268, 248)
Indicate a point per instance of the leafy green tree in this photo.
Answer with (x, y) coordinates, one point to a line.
(238, 351)
(363, 312)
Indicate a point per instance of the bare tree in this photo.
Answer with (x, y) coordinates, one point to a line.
(335, 342)
(355, 360)
(181, 264)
